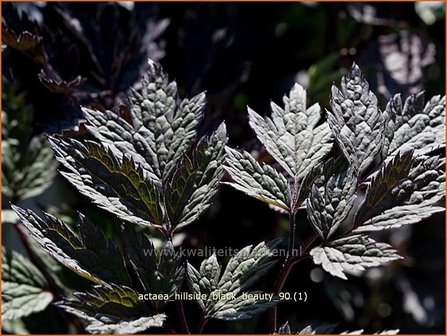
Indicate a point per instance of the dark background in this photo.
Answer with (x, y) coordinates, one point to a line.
(241, 54)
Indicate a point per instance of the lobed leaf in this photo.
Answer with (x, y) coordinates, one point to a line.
(330, 202)
(262, 182)
(158, 271)
(195, 181)
(356, 121)
(224, 293)
(161, 128)
(352, 254)
(414, 126)
(379, 193)
(115, 184)
(416, 198)
(291, 135)
(248, 265)
(241, 308)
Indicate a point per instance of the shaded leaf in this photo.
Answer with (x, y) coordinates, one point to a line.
(24, 288)
(115, 184)
(379, 193)
(28, 166)
(158, 271)
(85, 250)
(300, 191)
(248, 265)
(112, 309)
(26, 43)
(195, 181)
(352, 254)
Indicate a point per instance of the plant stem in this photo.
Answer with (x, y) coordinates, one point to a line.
(290, 261)
(291, 243)
(181, 313)
(202, 324)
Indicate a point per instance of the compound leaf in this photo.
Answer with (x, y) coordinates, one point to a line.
(291, 135)
(330, 202)
(23, 287)
(241, 307)
(352, 254)
(161, 128)
(413, 126)
(112, 309)
(262, 182)
(85, 250)
(223, 295)
(158, 271)
(416, 198)
(380, 191)
(194, 182)
(115, 184)
(247, 266)
(210, 273)
(356, 121)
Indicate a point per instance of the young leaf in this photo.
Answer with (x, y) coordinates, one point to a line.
(416, 198)
(115, 184)
(224, 297)
(414, 126)
(161, 128)
(262, 182)
(23, 287)
(330, 203)
(291, 135)
(112, 309)
(194, 182)
(352, 254)
(356, 120)
(85, 251)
